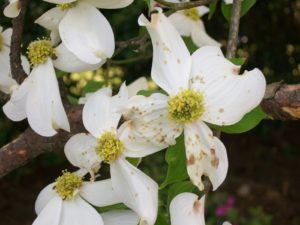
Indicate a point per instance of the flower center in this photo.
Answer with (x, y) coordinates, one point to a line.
(192, 13)
(1, 42)
(39, 51)
(67, 5)
(109, 147)
(186, 107)
(67, 184)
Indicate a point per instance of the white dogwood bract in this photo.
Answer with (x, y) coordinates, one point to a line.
(188, 23)
(101, 116)
(13, 9)
(55, 208)
(204, 87)
(187, 208)
(82, 27)
(228, 1)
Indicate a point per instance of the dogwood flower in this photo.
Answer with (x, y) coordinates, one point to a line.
(7, 83)
(228, 1)
(82, 28)
(65, 202)
(188, 23)
(12, 9)
(101, 116)
(204, 87)
(187, 209)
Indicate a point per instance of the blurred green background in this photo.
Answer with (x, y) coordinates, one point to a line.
(263, 182)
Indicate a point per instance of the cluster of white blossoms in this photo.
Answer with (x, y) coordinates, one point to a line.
(200, 89)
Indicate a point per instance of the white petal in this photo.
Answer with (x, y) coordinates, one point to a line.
(200, 37)
(68, 62)
(98, 115)
(51, 19)
(92, 42)
(7, 36)
(117, 217)
(182, 23)
(187, 209)
(51, 213)
(44, 108)
(226, 223)
(148, 129)
(202, 10)
(15, 108)
(99, 193)
(206, 155)
(44, 198)
(137, 85)
(228, 96)
(13, 9)
(25, 64)
(59, 1)
(55, 38)
(78, 212)
(171, 58)
(136, 190)
(80, 151)
(6, 80)
(109, 4)
(228, 1)
(119, 100)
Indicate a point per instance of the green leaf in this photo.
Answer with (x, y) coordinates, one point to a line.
(162, 220)
(238, 61)
(176, 189)
(246, 6)
(212, 9)
(190, 44)
(176, 159)
(134, 161)
(72, 100)
(147, 93)
(249, 121)
(91, 87)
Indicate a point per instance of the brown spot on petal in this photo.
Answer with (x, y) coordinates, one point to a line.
(221, 110)
(191, 160)
(197, 206)
(215, 160)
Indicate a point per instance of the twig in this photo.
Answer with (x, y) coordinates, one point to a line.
(17, 70)
(183, 5)
(234, 28)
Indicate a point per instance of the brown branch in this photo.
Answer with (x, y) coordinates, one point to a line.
(30, 145)
(17, 70)
(234, 28)
(183, 5)
(282, 101)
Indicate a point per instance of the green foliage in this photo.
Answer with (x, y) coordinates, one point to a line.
(190, 44)
(257, 216)
(238, 61)
(162, 220)
(147, 93)
(91, 87)
(249, 121)
(246, 6)
(176, 159)
(212, 9)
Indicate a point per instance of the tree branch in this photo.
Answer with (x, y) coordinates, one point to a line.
(17, 70)
(183, 5)
(234, 29)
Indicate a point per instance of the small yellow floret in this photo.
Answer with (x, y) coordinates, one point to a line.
(110, 148)
(67, 5)
(39, 51)
(192, 13)
(67, 184)
(186, 107)
(1, 42)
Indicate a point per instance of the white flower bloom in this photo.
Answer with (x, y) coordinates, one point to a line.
(188, 23)
(228, 1)
(65, 202)
(7, 83)
(12, 9)
(82, 28)
(187, 209)
(101, 115)
(204, 87)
